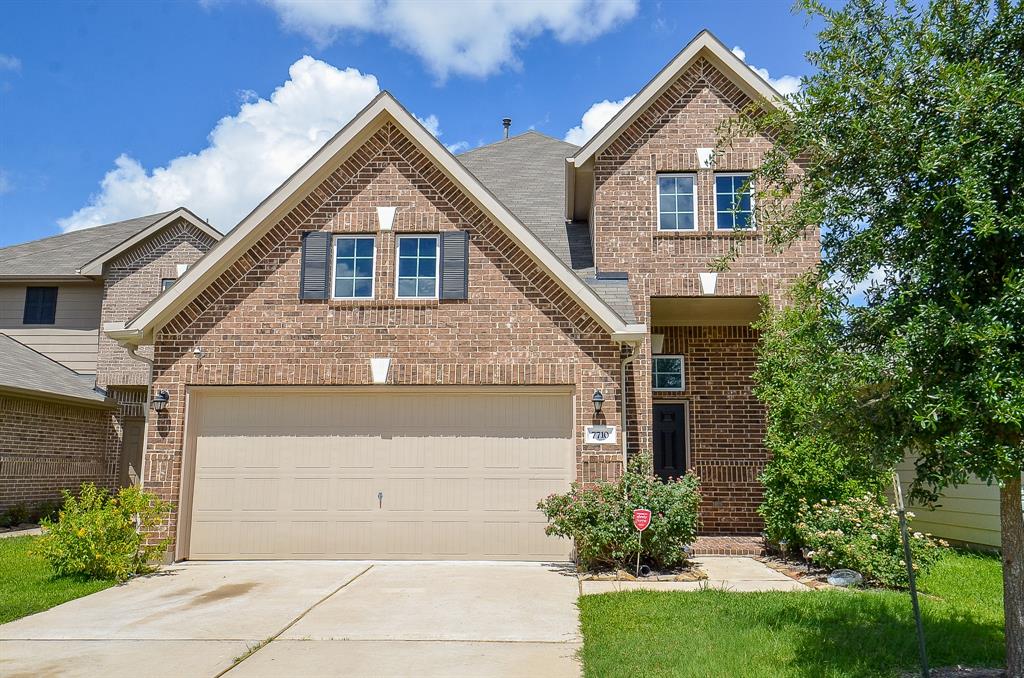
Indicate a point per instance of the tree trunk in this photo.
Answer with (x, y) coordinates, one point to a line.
(1012, 528)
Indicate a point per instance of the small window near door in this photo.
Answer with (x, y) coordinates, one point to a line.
(667, 373)
(40, 306)
(165, 283)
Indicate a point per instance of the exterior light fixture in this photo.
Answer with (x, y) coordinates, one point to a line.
(160, 400)
(598, 401)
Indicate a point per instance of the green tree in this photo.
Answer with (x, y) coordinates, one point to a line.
(910, 141)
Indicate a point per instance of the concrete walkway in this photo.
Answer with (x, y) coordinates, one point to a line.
(731, 573)
(323, 619)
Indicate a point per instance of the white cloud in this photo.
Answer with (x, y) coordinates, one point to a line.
(787, 84)
(453, 36)
(248, 156)
(9, 63)
(596, 117)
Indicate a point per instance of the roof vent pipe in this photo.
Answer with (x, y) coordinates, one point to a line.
(506, 123)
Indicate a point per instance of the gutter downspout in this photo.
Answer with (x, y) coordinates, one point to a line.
(132, 348)
(622, 401)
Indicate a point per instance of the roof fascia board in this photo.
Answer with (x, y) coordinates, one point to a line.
(307, 177)
(95, 267)
(38, 279)
(106, 403)
(750, 82)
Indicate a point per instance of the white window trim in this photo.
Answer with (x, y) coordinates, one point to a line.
(334, 264)
(657, 200)
(437, 263)
(753, 209)
(682, 373)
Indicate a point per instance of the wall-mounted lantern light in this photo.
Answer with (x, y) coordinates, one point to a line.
(598, 401)
(160, 400)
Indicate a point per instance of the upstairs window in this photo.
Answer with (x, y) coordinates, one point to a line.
(733, 202)
(40, 306)
(667, 373)
(354, 267)
(165, 283)
(417, 267)
(676, 204)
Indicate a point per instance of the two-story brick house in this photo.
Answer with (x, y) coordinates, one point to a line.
(400, 351)
(72, 402)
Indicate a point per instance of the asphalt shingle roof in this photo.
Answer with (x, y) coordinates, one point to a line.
(527, 174)
(62, 255)
(23, 369)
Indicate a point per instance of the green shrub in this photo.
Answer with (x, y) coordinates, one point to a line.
(599, 519)
(103, 536)
(863, 535)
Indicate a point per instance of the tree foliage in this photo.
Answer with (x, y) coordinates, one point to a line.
(909, 139)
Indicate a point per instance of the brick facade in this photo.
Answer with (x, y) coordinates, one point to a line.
(46, 447)
(726, 436)
(130, 282)
(517, 327)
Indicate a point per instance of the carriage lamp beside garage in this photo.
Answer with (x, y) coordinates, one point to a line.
(598, 401)
(160, 400)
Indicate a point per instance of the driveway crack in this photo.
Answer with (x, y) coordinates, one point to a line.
(267, 641)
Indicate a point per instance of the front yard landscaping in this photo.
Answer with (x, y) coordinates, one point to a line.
(819, 633)
(28, 583)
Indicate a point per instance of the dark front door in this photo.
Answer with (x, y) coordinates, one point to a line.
(669, 440)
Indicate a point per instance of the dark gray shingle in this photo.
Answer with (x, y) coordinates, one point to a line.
(23, 369)
(63, 255)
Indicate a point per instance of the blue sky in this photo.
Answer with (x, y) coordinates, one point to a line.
(111, 110)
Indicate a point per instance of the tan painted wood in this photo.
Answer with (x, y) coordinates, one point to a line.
(72, 339)
(968, 512)
(390, 474)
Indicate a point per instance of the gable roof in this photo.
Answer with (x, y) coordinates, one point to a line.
(82, 253)
(24, 371)
(382, 108)
(703, 45)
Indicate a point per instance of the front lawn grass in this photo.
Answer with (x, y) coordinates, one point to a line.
(819, 633)
(28, 585)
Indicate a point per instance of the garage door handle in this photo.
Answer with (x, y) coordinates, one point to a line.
(380, 500)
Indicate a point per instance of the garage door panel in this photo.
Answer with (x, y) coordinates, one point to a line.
(287, 475)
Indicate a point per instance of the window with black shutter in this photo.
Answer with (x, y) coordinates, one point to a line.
(40, 306)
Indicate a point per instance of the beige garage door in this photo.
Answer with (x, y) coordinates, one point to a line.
(423, 474)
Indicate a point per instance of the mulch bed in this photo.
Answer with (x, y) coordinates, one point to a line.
(678, 574)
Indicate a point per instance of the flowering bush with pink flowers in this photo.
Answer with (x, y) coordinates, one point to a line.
(599, 517)
(863, 535)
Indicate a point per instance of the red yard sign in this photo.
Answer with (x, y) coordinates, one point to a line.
(641, 519)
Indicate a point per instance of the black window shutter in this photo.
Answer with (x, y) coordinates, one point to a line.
(316, 253)
(454, 265)
(40, 306)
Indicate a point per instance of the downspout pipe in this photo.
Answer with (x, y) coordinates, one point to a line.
(633, 353)
(148, 362)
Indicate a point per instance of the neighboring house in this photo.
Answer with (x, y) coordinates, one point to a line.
(399, 351)
(72, 403)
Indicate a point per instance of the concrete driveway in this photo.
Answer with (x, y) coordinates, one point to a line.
(324, 619)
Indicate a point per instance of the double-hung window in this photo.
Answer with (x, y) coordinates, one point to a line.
(40, 306)
(734, 207)
(667, 373)
(676, 202)
(354, 266)
(417, 267)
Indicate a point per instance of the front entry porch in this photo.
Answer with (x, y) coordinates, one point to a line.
(704, 416)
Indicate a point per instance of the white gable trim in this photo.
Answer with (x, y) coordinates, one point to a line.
(95, 267)
(383, 107)
(705, 44)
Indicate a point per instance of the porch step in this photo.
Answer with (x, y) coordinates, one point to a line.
(730, 545)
